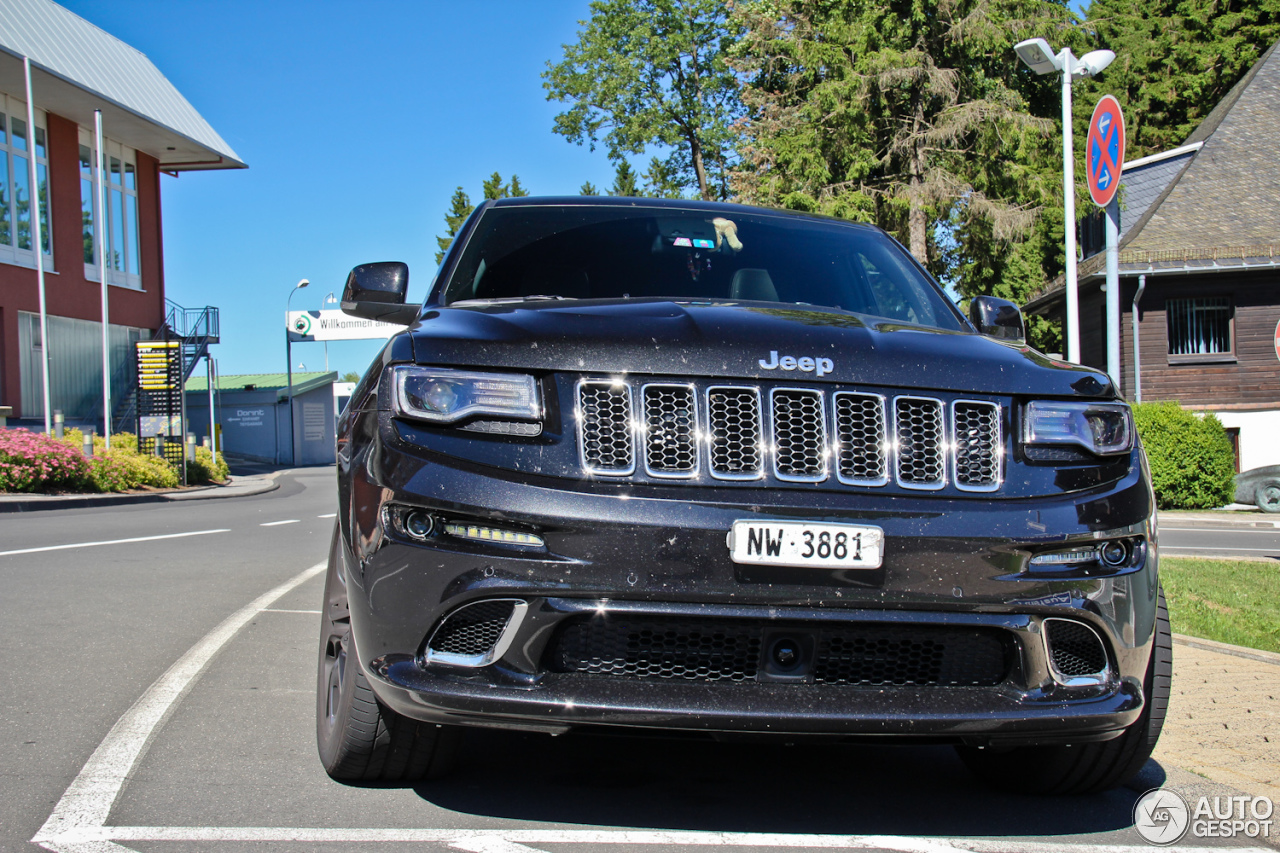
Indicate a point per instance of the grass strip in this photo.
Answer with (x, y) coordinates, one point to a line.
(1230, 601)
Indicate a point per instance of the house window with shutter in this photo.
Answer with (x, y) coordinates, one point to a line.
(1200, 329)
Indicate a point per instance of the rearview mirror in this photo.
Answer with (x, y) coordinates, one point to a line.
(997, 318)
(376, 292)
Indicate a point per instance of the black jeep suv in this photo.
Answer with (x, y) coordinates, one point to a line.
(641, 464)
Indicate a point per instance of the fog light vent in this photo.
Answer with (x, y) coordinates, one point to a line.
(476, 634)
(1075, 651)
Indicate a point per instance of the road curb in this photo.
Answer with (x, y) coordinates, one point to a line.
(267, 483)
(1249, 521)
(1227, 649)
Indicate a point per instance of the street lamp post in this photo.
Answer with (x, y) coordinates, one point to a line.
(330, 299)
(1040, 58)
(288, 365)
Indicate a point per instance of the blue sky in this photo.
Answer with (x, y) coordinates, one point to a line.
(357, 121)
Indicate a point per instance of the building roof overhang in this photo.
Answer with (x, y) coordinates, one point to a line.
(1093, 269)
(77, 68)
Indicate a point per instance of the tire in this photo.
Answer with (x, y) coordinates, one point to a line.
(1267, 496)
(359, 738)
(1087, 768)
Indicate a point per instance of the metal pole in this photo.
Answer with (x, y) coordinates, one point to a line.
(1069, 210)
(38, 243)
(288, 357)
(1137, 350)
(99, 228)
(1113, 291)
(213, 441)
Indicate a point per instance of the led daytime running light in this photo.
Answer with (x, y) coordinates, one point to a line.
(491, 534)
(1066, 558)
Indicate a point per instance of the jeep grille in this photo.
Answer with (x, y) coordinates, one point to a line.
(796, 434)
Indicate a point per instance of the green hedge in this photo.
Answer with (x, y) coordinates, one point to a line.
(1192, 463)
(34, 462)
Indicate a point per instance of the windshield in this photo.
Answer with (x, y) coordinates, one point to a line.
(606, 252)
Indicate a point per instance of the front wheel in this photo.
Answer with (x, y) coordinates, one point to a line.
(1088, 767)
(359, 738)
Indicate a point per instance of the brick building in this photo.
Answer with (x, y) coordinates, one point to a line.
(149, 129)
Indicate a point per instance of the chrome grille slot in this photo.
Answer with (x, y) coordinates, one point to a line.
(861, 439)
(921, 437)
(733, 419)
(670, 430)
(978, 445)
(799, 435)
(604, 428)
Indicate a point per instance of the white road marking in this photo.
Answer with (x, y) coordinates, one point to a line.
(328, 515)
(113, 542)
(275, 610)
(472, 839)
(276, 523)
(86, 804)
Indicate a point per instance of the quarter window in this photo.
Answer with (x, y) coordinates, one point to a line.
(123, 249)
(16, 148)
(1200, 327)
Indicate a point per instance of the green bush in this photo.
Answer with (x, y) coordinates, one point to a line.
(1192, 463)
(204, 470)
(123, 467)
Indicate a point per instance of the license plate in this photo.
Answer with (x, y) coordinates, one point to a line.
(806, 543)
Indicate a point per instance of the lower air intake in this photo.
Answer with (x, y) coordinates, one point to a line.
(730, 650)
(1075, 651)
(474, 635)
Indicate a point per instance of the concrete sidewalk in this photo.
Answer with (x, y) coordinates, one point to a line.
(237, 486)
(1228, 518)
(1224, 716)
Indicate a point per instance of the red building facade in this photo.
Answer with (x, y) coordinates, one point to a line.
(148, 128)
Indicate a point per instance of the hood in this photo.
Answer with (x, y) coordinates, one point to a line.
(738, 341)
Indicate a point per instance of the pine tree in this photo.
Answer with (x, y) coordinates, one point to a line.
(494, 187)
(515, 190)
(588, 189)
(460, 208)
(1175, 60)
(624, 181)
(912, 114)
(661, 181)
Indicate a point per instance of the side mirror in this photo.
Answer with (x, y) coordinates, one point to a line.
(376, 292)
(998, 318)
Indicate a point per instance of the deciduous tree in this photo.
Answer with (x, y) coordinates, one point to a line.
(652, 73)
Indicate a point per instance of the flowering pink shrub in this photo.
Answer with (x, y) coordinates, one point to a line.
(34, 462)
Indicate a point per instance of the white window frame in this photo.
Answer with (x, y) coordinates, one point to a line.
(9, 252)
(129, 274)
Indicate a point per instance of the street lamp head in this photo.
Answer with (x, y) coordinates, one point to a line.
(1038, 56)
(1096, 60)
(302, 283)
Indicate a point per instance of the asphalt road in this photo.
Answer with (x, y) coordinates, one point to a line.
(158, 695)
(1188, 538)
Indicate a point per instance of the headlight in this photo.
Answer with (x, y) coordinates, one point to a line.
(1103, 428)
(445, 396)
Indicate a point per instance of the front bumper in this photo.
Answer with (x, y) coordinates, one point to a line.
(613, 550)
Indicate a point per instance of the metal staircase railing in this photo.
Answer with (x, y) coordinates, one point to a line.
(196, 329)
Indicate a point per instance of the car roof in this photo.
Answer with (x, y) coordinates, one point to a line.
(718, 207)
